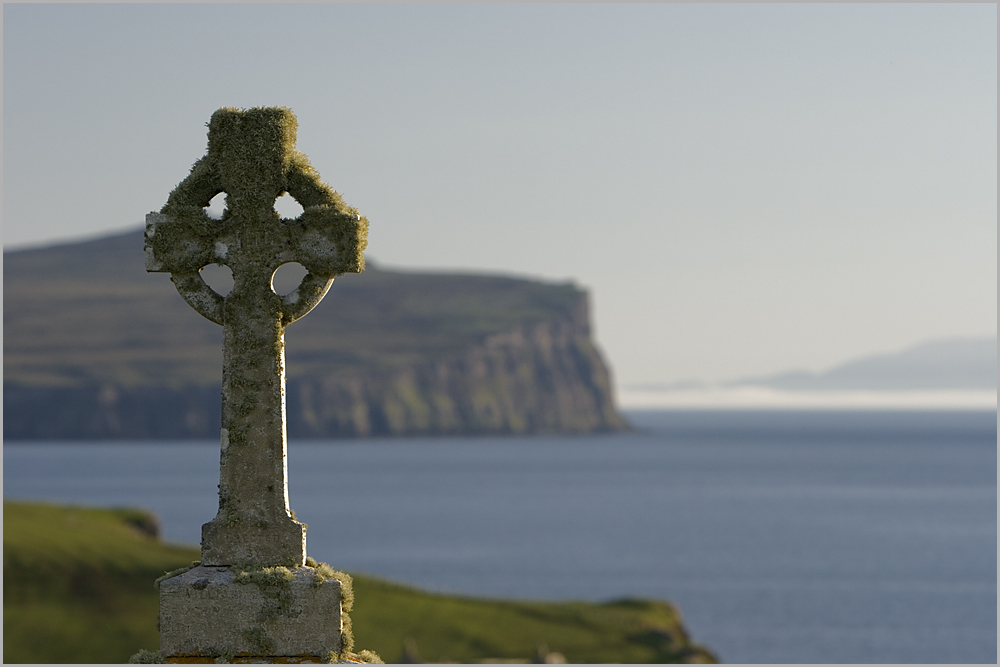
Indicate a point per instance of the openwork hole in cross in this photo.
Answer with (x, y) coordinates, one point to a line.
(215, 208)
(287, 207)
(288, 277)
(219, 277)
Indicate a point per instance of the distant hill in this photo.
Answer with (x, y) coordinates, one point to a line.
(95, 347)
(942, 364)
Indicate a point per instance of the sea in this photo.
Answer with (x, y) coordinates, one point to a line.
(783, 536)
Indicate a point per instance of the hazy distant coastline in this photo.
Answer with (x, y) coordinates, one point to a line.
(939, 374)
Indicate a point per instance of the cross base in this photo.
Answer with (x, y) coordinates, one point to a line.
(277, 542)
(267, 614)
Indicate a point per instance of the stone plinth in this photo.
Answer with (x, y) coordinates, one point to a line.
(261, 613)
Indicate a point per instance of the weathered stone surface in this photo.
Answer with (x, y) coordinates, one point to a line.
(252, 158)
(266, 541)
(269, 612)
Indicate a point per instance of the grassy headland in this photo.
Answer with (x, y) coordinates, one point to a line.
(78, 588)
(385, 353)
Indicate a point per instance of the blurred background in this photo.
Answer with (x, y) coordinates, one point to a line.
(744, 190)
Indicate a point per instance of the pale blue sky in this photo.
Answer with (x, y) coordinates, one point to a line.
(744, 189)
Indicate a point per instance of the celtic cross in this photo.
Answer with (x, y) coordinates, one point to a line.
(252, 158)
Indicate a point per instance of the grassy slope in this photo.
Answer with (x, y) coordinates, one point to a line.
(78, 588)
(78, 584)
(89, 312)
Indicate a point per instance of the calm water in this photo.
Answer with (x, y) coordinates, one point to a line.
(783, 537)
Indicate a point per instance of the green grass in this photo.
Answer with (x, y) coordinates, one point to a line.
(78, 583)
(78, 587)
(447, 628)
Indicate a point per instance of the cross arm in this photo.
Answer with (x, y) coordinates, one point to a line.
(181, 238)
(329, 236)
(166, 239)
(328, 239)
(328, 243)
(303, 183)
(197, 189)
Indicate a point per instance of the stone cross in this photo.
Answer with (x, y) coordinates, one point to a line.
(252, 158)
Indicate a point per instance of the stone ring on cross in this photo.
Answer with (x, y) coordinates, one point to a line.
(252, 158)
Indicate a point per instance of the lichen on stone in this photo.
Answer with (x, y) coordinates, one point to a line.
(264, 577)
(223, 655)
(323, 572)
(260, 642)
(370, 657)
(367, 657)
(145, 657)
(174, 573)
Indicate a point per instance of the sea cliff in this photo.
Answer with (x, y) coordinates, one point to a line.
(95, 348)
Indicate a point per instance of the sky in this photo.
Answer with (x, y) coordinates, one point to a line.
(742, 189)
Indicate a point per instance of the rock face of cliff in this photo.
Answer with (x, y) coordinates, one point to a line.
(545, 377)
(96, 348)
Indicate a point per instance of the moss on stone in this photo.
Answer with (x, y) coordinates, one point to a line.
(366, 657)
(369, 657)
(265, 577)
(258, 639)
(223, 655)
(252, 158)
(174, 573)
(145, 657)
(274, 584)
(323, 572)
